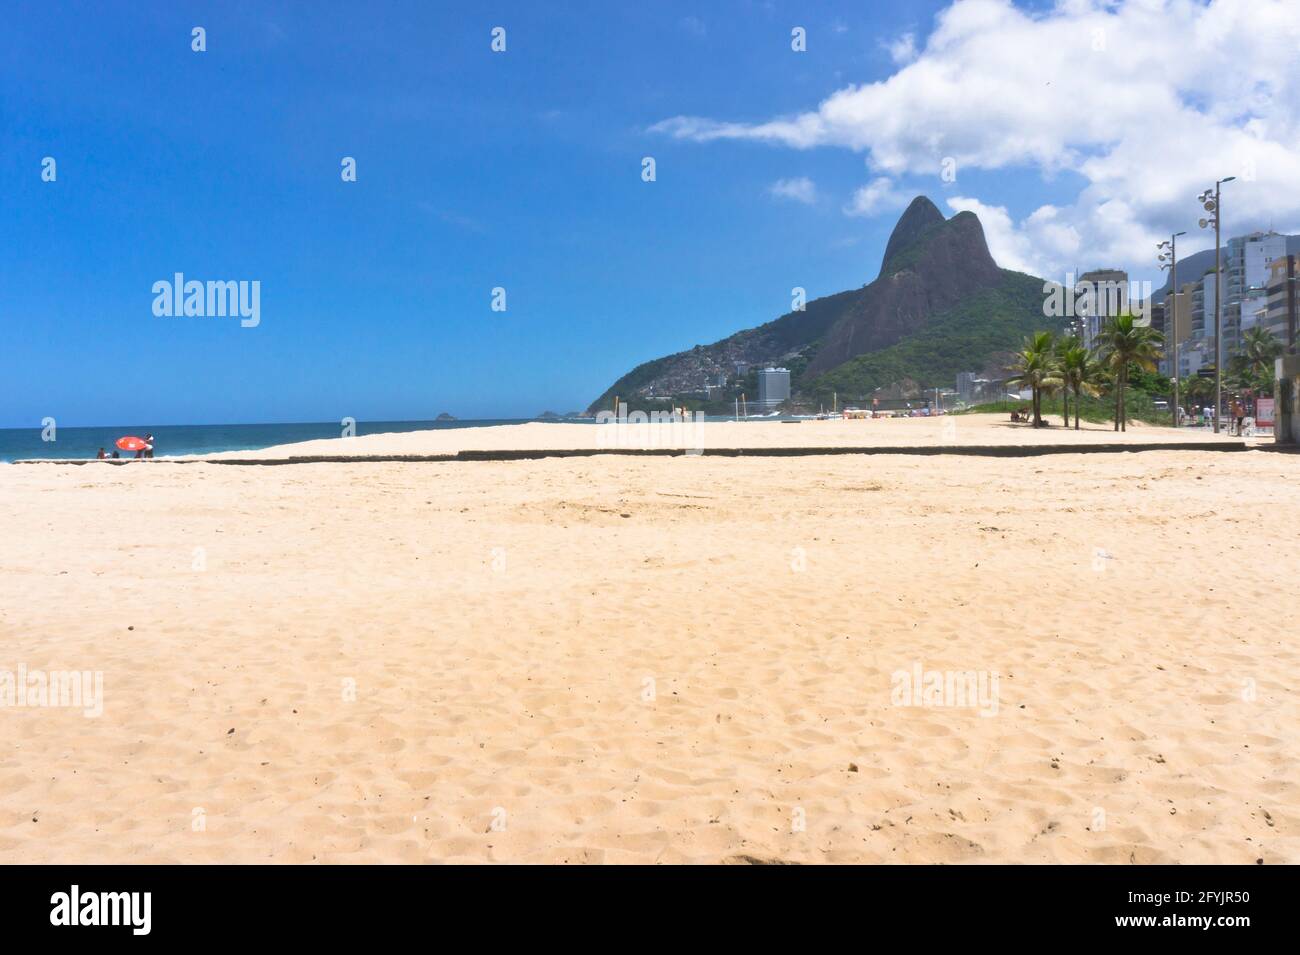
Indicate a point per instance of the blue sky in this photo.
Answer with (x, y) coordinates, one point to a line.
(476, 169)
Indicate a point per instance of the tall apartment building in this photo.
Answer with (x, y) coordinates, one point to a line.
(1177, 307)
(966, 385)
(1193, 356)
(1159, 317)
(1202, 311)
(1246, 274)
(1283, 298)
(1254, 312)
(1179, 304)
(773, 387)
(1099, 295)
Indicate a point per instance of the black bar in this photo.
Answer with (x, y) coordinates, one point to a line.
(218, 904)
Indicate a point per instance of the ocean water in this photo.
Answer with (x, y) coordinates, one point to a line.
(17, 444)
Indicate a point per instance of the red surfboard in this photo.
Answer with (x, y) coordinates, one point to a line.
(131, 443)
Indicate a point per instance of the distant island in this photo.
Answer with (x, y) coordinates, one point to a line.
(446, 417)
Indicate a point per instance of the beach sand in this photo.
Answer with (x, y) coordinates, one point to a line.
(888, 432)
(685, 659)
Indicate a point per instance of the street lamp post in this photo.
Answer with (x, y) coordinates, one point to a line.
(1210, 202)
(1074, 301)
(1170, 261)
(1291, 280)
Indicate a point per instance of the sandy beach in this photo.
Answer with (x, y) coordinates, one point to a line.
(952, 430)
(636, 660)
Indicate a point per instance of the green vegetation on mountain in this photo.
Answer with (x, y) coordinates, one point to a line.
(910, 255)
(790, 340)
(958, 339)
(940, 305)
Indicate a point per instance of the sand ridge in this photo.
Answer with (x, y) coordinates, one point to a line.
(939, 431)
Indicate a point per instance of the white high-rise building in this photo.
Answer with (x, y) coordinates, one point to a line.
(1246, 275)
(773, 387)
(1203, 296)
(1099, 295)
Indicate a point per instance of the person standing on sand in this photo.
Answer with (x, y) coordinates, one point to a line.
(148, 446)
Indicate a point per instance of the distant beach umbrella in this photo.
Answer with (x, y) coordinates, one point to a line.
(131, 443)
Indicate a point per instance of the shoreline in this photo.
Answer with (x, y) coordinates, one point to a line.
(997, 451)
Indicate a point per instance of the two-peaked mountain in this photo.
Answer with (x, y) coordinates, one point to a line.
(940, 305)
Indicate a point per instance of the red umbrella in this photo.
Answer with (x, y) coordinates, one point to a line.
(131, 443)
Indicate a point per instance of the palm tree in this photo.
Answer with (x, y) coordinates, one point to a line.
(1036, 369)
(1123, 343)
(1080, 371)
(1259, 349)
(1196, 389)
(1237, 375)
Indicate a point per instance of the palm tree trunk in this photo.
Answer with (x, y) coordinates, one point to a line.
(1065, 404)
(1118, 391)
(1078, 399)
(1123, 399)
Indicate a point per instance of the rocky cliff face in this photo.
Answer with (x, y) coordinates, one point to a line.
(931, 264)
(929, 267)
(920, 216)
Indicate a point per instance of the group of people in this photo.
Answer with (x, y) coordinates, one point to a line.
(145, 452)
(1204, 417)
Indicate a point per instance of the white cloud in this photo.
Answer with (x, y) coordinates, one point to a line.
(903, 50)
(1044, 236)
(1010, 247)
(801, 189)
(1148, 100)
(879, 195)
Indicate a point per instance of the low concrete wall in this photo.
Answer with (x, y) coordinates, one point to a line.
(972, 450)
